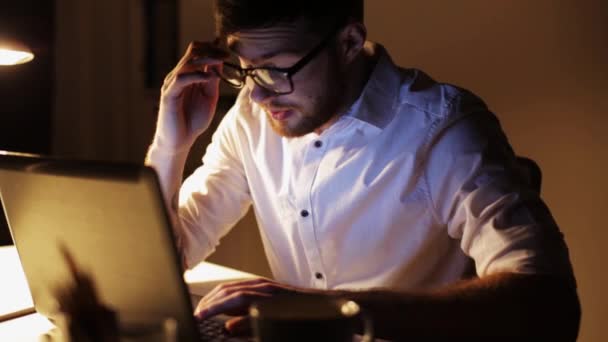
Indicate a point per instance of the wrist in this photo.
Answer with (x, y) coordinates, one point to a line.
(167, 146)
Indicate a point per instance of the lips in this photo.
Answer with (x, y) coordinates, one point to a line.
(280, 114)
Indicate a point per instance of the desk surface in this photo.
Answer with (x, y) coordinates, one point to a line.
(15, 295)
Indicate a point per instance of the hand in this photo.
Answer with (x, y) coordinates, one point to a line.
(189, 96)
(235, 298)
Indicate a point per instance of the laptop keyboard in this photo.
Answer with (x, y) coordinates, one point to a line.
(212, 330)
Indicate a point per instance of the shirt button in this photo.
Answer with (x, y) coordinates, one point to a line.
(319, 275)
(304, 213)
(318, 143)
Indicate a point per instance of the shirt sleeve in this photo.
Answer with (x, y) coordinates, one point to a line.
(215, 196)
(485, 199)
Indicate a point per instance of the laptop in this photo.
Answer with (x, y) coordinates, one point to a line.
(112, 219)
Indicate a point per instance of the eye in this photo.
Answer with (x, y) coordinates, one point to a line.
(266, 76)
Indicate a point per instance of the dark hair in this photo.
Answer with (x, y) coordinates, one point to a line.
(320, 15)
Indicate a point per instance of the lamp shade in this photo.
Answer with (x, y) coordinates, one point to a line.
(13, 52)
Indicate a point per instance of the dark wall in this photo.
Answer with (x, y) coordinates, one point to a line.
(26, 91)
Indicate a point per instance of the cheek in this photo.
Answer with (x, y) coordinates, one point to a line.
(305, 99)
(318, 91)
(315, 89)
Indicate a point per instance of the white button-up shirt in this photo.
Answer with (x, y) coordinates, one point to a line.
(414, 187)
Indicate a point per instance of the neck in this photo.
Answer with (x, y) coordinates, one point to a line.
(356, 76)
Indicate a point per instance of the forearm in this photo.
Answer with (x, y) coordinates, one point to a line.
(169, 149)
(169, 166)
(502, 305)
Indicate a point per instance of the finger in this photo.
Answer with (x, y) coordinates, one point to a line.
(197, 57)
(193, 65)
(209, 49)
(197, 61)
(197, 76)
(262, 289)
(240, 325)
(235, 304)
(199, 52)
(227, 285)
(175, 86)
(232, 284)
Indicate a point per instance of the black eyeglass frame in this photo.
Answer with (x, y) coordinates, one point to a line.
(287, 72)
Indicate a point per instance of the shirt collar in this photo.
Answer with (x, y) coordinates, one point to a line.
(376, 102)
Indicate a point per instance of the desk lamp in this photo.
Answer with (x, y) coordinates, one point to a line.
(13, 52)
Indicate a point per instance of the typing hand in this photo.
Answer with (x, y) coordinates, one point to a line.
(234, 299)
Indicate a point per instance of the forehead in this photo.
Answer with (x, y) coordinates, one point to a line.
(264, 43)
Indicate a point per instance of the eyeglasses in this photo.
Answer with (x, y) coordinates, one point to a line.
(276, 80)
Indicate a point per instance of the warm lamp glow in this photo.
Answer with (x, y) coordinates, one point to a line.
(12, 53)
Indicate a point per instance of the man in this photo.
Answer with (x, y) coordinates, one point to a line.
(367, 180)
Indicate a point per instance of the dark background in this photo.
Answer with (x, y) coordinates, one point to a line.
(26, 91)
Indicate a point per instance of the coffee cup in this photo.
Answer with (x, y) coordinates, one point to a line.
(309, 318)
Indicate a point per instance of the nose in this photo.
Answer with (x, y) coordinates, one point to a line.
(258, 94)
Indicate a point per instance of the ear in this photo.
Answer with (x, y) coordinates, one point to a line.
(351, 40)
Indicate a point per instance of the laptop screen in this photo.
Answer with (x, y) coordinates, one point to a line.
(111, 218)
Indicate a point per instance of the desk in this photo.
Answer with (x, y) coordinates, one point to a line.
(15, 295)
